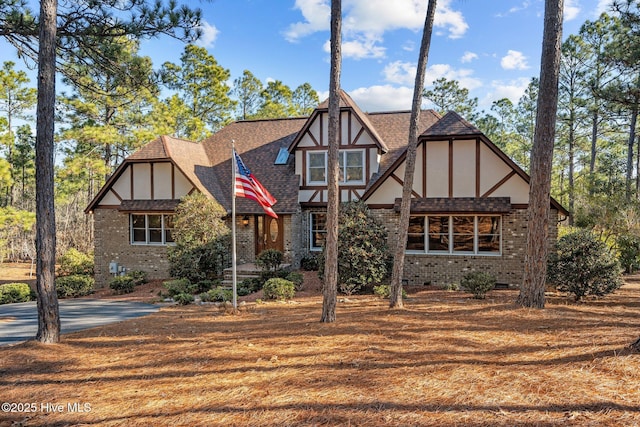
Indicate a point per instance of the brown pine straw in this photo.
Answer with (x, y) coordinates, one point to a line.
(446, 360)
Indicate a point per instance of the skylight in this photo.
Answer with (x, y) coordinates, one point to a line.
(283, 156)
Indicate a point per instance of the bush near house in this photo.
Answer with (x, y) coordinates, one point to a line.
(583, 265)
(74, 262)
(277, 288)
(363, 257)
(270, 259)
(75, 285)
(15, 292)
(478, 283)
(122, 284)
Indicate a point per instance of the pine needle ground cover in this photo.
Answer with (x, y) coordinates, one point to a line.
(446, 360)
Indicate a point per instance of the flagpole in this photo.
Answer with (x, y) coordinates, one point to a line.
(234, 286)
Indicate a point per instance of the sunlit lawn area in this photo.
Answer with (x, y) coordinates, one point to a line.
(446, 360)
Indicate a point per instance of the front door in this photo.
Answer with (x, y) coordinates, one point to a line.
(269, 233)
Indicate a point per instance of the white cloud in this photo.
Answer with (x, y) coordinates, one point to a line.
(571, 9)
(383, 98)
(513, 90)
(603, 6)
(514, 60)
(468, 57)
(463, 76)
(361, 48)
(402, 73)
(317, 15)
(375, 17)
(209, 35)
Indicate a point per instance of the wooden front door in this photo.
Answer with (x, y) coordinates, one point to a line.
(269, 233)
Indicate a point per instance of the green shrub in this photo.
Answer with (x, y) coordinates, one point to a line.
(297, 278)
(205, 285)
(179, 286)
(309, 263)
(15, 292)
(75, 285)
(583, 265)
(252, 285)
(75, 262)
(203, 241)
(139, 277)
(629, 252)
(219, 294)
(122, 284)
(451, 287)
(269, 259)
(383, 291)
(277, 288)
(478, 283)
(363, 258)
(242, 291)
(183, 298)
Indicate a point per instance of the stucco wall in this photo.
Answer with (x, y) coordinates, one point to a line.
(112, 244)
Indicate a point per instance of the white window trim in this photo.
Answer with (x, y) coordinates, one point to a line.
(451, 252)
(342, 154)
(146, 230)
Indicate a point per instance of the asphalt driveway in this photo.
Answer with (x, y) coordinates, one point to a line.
(19, 322)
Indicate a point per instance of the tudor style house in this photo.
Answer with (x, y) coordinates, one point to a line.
(468, 210)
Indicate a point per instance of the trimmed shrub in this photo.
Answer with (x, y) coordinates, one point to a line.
(15, 292)
(383, 291)
(204, 285)
(75, 285)
(252, 285)
(219, 294)
(277, 288)
(122, 284)
(75, 262)
(297, 279)
(179, 286)
(183, 298)
(478, 283)
(269, 259)
(309, 263)
(583, 265)
(139, 277)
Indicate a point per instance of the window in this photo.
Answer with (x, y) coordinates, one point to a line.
(151, 229)
(351, 164)
(455, 234)
(318, 230)
(317, 167)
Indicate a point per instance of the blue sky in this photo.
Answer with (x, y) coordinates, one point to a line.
(492, 47)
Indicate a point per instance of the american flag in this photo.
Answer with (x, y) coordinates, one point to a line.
(248, 186)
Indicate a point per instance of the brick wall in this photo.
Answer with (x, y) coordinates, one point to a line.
(420, 269)
(112, 243)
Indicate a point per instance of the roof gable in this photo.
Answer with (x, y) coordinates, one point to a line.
(346, 103)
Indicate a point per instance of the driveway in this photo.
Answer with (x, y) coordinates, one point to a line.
(19, 322)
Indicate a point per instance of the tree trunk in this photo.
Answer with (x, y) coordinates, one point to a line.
(48, 314)
(395, 294)
(535, 263)
(630, 143)
(330, 288)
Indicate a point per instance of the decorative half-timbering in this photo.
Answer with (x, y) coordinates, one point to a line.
(468, 210)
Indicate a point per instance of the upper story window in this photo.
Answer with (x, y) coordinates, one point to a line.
(455, 234)
(151, 229)
(351, 164)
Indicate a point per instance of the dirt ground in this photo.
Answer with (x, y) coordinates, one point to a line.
(444, 360)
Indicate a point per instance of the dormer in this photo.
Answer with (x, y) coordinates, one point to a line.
(360, 152)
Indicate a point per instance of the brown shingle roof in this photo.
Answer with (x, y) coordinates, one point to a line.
(258, 143)
(452, 124)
